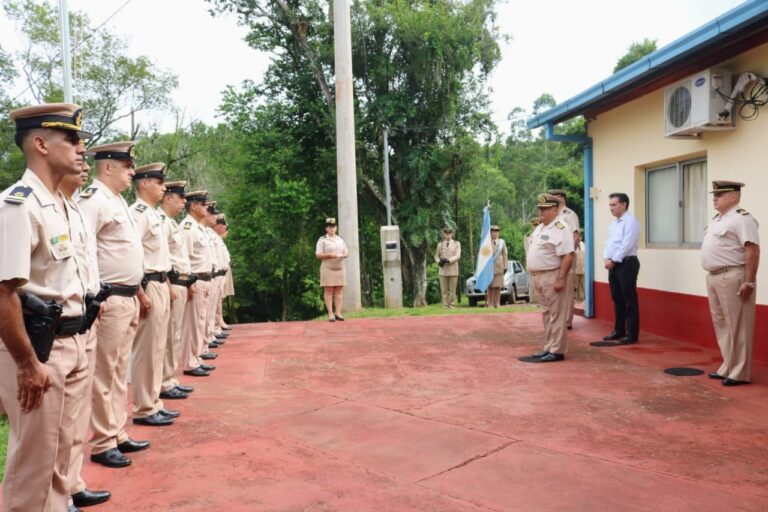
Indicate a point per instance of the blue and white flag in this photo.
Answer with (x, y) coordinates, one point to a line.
(485, 256)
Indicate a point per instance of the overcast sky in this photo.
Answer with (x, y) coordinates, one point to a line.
(557, 46)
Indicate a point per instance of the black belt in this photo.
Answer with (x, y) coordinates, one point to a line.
(220, 273)
(205, 276)
(69, 326)
(183, 279)
(160, 277)
(124, 291)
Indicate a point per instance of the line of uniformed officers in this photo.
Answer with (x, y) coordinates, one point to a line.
(94, 292)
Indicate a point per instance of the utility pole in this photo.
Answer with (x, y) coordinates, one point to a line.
(388, 192)
(66, 54)
(346, 174)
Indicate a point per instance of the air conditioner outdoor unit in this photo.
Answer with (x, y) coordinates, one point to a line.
(691, 106)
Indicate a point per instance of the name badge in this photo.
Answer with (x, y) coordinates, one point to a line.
(61, 247)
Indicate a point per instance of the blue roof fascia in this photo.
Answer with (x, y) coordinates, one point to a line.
(683, 47)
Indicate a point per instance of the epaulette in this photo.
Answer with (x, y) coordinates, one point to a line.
(742, 211)
(141, 208)
(18, 195)
(85, 194)
(559, 225)
(188, 225)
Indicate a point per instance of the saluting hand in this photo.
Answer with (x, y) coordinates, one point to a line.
(33, 381)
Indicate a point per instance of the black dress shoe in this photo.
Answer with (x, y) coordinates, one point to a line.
(88, 498)
(185, 389)
(222, 335)
(209, 355)
(111, 458)
(73, 508)
(549, 358)
(155, 420)
(715, 375)
(169, 413)
(734, 382)
(220, 341)
(541, 354)
(615, 335)
(627, 340)
(227, 328)
(131, 446)
(340, 318)
(197, 372)
(173, 394)
(208, 367)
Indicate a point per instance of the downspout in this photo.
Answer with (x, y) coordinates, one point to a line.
(589, 215)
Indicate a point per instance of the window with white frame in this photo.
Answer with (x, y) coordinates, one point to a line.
(676, 203)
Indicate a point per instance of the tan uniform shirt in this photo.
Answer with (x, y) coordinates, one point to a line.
(149, 226)
(198, 245)
(222, 253)
(548, 246)
(725, 237)
(570, 218)
(215, 256)
(450, 250)
(176, 246)
(84, 242)
(119, 247)
(37, 245)
(500, 263)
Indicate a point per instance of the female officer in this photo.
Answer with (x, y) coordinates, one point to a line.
(331, 251)
(493, 298)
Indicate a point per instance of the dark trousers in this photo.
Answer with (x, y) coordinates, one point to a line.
(623, 282)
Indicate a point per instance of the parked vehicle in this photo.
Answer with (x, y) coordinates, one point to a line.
(516, 283)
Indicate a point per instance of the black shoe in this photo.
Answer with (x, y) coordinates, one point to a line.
(734, 382)
(131, 446)
(615, 335)
(197, 372)
(715, 375)
(227, 328)
(541, 354)
(214, 344)
(169, 413)
(220, 341)
(173, 394)
(569, 327)
(628, 340)
(550, 358)
(185, 389)
(111, 458)
(209, 355)
(88, 498)
(340, 318)
(332, 319)
(155, 420)
(208, 367)
(73, 508)
(222, 335)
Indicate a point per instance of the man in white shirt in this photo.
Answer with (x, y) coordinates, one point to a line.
(620, 258)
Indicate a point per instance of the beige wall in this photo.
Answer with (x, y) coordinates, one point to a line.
(630, 138)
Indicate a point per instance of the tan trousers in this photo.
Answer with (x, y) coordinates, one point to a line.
(76, 482)
(220, 306)
(173, 345)
(570, 283)
(109, 402)
(40, 441)
(734, 322)
(554, 310)
(149, 352)
(213, 301)
(193, 326)
(448, 289)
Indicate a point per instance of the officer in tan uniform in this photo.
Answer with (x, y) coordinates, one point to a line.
(220, 227)
(148, 353)
(549, 259)
(535, 221)
(120, 256)
(447, 255)
(493, 298)
(193, 327)
(216, 282)
(730, 253)
(84, 245)
(572, 221)
(182, 288)
(43, 369)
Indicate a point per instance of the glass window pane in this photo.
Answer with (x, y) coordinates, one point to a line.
(694, 201)
(663, 206)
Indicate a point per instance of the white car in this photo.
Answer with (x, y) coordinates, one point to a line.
(515, 287)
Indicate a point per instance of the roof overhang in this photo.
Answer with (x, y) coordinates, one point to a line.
(735, 32)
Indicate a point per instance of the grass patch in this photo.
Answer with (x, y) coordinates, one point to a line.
(3, 442)
(435, 310)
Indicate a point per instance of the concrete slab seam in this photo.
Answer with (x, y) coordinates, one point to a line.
(469, 461)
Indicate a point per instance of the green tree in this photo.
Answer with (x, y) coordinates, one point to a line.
(636, 51)
(11, 163)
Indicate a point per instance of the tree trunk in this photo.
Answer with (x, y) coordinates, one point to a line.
(417, 272)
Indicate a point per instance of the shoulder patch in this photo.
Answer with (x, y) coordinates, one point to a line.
(141, 208)
(559, 225)
(188, 225)
(18, 195)
(85, 194)
(742, 211)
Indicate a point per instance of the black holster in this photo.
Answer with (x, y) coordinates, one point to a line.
(41, 321)
(93, 306)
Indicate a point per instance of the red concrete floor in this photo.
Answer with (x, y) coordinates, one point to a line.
(437, 414)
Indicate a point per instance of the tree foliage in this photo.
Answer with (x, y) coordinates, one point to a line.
(636, 51)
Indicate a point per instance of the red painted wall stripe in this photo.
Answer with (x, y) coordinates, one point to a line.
(680, 316)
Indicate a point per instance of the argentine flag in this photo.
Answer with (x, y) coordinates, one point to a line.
(485, 256)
